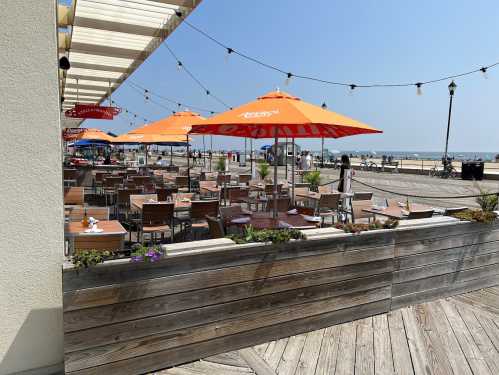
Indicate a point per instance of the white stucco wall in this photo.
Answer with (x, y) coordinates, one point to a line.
(31, 208)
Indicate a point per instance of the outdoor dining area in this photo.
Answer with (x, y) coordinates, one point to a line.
(152, 205)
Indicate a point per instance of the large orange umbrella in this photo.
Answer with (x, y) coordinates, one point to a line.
(278, 114)
(177, 124)
(95, 135)
(165, 139)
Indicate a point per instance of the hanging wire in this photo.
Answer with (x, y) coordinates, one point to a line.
(418, 85)
(173, 101)
(194, 78)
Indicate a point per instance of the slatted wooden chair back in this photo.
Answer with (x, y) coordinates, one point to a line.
(362, 196)
(358, 207)
(329, 200)
(180, 196)
(123, 198)
(420, 214)
(141, 180)
(157, 214)
(236, 195)
(74, 195)
(99, 176)
(216, 227)
(229, 212)
(201, 209)
(282, 204)
(172, 168)
(111, 182)
(269, 189)
(182, 181)
(99, 213)
(221, 177)
(309, 211)
(244, 178)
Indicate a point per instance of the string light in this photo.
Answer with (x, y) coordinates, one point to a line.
(146, 96)
(483, 69)
(484, 72)
(418, 89)
(324, 105)
(179, 65)
(229, 52)
(288, 79)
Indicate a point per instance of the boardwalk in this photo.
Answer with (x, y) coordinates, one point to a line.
(458, 335)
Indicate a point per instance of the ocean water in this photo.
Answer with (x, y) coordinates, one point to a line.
(486, 156)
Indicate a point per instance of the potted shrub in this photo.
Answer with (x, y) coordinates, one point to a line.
(314, 179)
(263, 170)
(220, 167)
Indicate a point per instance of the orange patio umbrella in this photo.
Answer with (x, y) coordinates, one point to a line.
(170, 140)
(95, 135)
(281, 115)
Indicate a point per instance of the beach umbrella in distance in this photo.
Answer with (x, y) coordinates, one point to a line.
(178, 123)
(94, 135)
(281, 115)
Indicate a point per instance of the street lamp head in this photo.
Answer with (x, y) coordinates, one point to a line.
(452, 88)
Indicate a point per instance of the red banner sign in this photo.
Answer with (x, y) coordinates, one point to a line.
(69, 134)
(92, 111)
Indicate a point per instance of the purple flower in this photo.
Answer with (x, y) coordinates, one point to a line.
(156, 257)
(137, 258)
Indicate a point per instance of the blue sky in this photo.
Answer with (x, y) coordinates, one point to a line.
(368, 41)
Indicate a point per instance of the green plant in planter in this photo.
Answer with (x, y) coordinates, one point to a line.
(357, 228)
(143, 253)
(263, 170)
(267, 235)
(314, 179)
(90, 258)
(488, 203)
(478, 216)
(220, 167)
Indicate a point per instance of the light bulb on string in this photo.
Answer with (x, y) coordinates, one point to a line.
(351, 88)
(484, 72)
(324, 105)
(179, 65)
(146, 96)
(208, 92)
(288, 79)
(419, 92)
(229, 52)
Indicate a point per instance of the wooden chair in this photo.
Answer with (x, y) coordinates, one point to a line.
(420, 214)
(229, 212)
(301, 190)
(141, 198)
(309, 211)
(74, 195)
(216, 227)
(221, 177)
(240, 196)
(110, 187)
(328, 206)
(269, 189)
(99, 179)
(141, 180)
(99, 213)
(182, 182)
(244, 179)
(157, 218)
(357, 210)
(205, 188)
(282, 204)
(172, 168)
(165, 192)
(199, 211)
(362, 196)
(123, 200)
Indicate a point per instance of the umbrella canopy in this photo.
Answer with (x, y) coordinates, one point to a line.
(87, 143)
(94, 135)
(160, 139)
(177, 124)
(278, 114)
(266, 147)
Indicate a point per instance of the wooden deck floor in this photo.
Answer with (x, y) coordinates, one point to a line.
(458, 335)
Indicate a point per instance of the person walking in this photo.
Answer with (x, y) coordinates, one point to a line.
(345, 164)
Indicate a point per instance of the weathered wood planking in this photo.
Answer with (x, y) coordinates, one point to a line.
(134, 318)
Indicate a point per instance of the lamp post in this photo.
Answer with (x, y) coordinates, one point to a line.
(452, 89)
(323, 106)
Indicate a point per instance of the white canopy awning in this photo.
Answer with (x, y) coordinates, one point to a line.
(106, 40)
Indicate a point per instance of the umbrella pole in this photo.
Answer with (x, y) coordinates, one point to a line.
(286, 162)
(146, 147)
(293, 174)
(171, 155)
(204, 154)
(211, 149)
(322, 153)
(274, 195)
(188, 169)
(251, 156)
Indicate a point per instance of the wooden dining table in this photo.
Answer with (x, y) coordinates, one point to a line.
(179, 204)
(398, 212)
(264, 220)
(112, 231)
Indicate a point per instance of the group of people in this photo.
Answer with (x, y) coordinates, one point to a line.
(304, 161)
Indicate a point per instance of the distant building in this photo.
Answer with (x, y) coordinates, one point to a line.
(282, 149)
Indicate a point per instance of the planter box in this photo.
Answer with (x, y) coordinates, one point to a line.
(206, 297)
